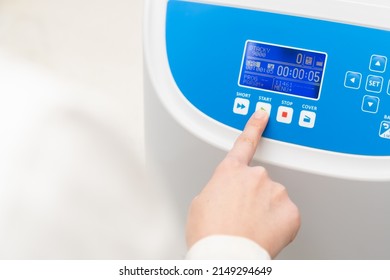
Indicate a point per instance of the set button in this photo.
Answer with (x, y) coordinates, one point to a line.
(374, 83)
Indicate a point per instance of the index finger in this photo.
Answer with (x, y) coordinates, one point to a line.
(245, 146)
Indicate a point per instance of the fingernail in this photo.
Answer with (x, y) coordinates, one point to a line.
(260, 114)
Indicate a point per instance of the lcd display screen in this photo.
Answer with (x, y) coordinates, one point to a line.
(282, 69)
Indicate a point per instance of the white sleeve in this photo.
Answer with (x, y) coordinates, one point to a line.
(224, 247)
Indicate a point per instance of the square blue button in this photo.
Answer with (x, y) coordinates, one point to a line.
(388, 88)
(378, 63)
(370, 104)
(384, 130)
(374, 83)
(353, 80)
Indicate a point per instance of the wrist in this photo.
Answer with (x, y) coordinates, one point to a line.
(227, 247)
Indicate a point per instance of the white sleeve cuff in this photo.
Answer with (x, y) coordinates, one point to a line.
(224, 247)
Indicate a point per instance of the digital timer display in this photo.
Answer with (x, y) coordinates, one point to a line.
(282, 69)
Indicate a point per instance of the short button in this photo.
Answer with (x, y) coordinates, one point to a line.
(374, 83)
(370, 104)
(352, 80)
(307, 119)
(378, 63)
(241, 106)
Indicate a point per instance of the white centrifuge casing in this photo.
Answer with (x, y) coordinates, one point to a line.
(323, 75)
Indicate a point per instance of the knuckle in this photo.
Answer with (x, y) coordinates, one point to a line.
(295, 214)
(280, 193)
(292, 208)
(260, 172)
(282, 189)
(295, 220)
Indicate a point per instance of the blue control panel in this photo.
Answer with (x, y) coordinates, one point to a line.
(326, 85)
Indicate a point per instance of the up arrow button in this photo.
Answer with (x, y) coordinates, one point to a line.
(378, 63)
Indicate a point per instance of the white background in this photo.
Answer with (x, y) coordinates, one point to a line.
(98, 43)
(71, 145)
